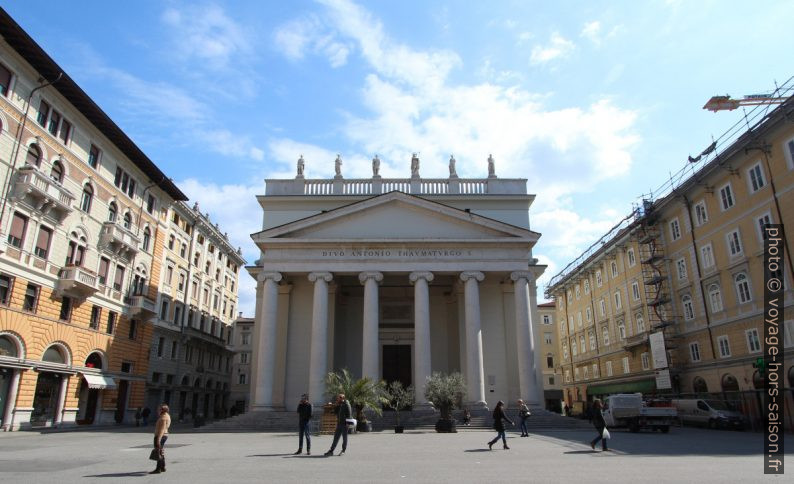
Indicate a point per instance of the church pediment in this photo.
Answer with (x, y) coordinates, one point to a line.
(397, 216)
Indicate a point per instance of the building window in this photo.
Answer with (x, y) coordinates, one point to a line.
(592, 341)
(565, 351)
(96, 316)
(742, 288)
(174, 350)
(578, 292)
(119, 279)
(626, 364)
(570, 296)
(547, 338)
(150, 203)
(726, 197)
(640, 323)
(602, 307)
(177, 315)
(789, 149)
(609, 368)
(646, 363)
(133, 334)
(605, 335)
(104, 266)
(595, 370)
(5, 80)
(546, 319)
(33, 156)
(587, 286)
(43, 242)
(245, 338)
(635, 290)
(734, 243)
(599, 280)
(763, 221)
(586, 373)
(66, 309)
(124, 182)
(111, 327)
(183, 250)
(567, 376)
(707, 256)
(93, 157)
(694, 351)
(44, 113)
(725, 346)
(689, 310)
(160, 347)
(171, 240)
(622, 330)
(756, 177)
(56, 172)
(579, 319)
(576, 373)
(127, 221)
(715, 298)
(549, 360)
(181, 284)
(112, 212)
(753, 343)
(701, 215)
(241, 379)
(31, 299)
(680, 265)
(588, 314)
(630, 256)
(6, 285)
(196, 257)
(87, 198)
(614, 266)
(618, 304)
(675, 229)
(19, 226)
(243, 358)
(574, 347)
(570, 324)
(75, 253)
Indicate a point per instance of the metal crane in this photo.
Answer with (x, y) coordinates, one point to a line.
(725, 103)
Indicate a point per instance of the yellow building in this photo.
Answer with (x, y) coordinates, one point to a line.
(689, 266)
(81, 243)
(549, 356)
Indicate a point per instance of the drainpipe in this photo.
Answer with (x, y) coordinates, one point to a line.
(18, 143)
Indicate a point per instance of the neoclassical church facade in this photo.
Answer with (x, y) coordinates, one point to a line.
(394, 279)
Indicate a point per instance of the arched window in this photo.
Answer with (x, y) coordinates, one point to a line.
(8, 347)
(742, 288)
(56, 173)
(127, 221)
(34, 155)
(715, 297)
(699, 385)
(640, 323)
(207, 268)
(622, 330)
(76, 251)
(94, 360)
(605, 335)
(689, 309)
(112, 212)
(549, 360)
(87, 198)
(729, 383)
(171, 241)
(53, 355)
(147, 236)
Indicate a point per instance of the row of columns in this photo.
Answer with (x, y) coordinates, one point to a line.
(262, 387)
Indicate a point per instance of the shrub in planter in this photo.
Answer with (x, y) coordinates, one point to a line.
(363, 394)
(445, 392)
(399, 398)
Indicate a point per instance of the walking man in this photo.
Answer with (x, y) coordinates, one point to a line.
(523, 414)
(343, 413)
(160, 436)
(304, 424)
(600, 425)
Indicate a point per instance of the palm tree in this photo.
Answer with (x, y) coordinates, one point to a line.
(363, 394)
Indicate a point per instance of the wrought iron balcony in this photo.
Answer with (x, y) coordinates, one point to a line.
(76, 282)
(118, 239)
(141, 307)
(44, 193)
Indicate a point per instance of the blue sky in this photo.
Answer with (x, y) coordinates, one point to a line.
(595, 103)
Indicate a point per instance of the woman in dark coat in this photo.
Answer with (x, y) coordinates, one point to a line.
(499, 426)
(598, 422)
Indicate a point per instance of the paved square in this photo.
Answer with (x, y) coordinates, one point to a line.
(683, 455)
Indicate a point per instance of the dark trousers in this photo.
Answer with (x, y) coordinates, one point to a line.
(341, 429)
(601, 438)
(523, 426)
(499, 433)
(304, 429)
(161, 460)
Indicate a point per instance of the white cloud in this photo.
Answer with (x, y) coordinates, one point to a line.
(558, 47)
(591, 30)
(226, 143)
(308, 35)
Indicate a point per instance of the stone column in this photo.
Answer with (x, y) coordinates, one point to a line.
(265, 330)
(369, 350)
(318, 365)
(8, 412)
(58, 417)
(527, 378)
(422, 367)
(474, 371)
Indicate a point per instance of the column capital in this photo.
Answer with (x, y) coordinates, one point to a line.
(362, 277)
(528, 275)
(476, 275)
(326, 276)
(263, 276)
(415, 276)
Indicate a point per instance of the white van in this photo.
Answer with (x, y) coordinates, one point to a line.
(711, 413)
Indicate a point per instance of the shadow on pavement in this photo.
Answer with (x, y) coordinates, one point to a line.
(121, 474)
(477, 450)
(274, 455)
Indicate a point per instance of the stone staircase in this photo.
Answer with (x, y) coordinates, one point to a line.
(423, 420)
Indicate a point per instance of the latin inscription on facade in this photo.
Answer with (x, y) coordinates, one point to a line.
(394, 253)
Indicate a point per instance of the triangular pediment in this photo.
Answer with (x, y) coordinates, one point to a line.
(396, 216)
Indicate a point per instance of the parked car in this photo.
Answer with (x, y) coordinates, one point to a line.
(711, 413)
(629, 410)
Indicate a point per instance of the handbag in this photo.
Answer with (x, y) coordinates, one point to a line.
(154, 455)
(605, 434)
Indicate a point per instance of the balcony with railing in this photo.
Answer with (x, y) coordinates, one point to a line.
(118, 239)
(414, 185)
(76, 282)
(636, 340)
(44, 193)
(140, 307)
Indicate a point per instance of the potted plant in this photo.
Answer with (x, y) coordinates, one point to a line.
(363, 394)
(445, 392)
(399, 399)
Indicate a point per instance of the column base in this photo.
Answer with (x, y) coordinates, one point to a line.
(476, 405)
(422, 407)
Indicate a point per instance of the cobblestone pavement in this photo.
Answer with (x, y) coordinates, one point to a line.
(683, 455)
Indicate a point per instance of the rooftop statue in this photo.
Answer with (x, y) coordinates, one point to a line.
(414, 165)
(452, 172)
(301, 165)
(491, 167)
(376, 166)
(338, 165)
